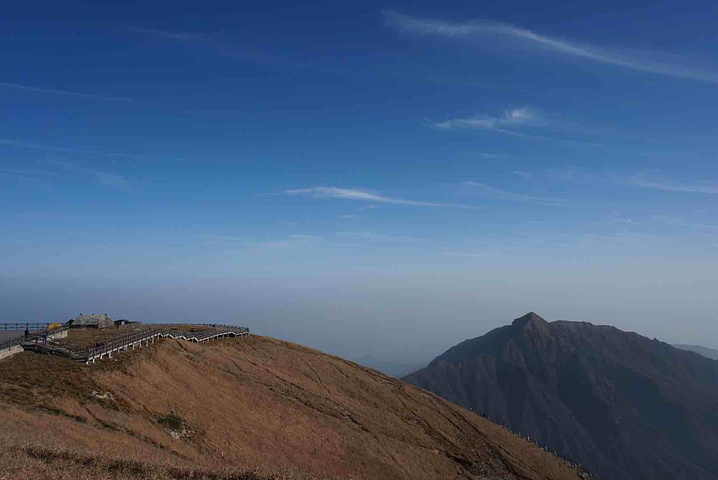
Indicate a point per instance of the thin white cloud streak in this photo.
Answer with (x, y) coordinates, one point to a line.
(518, 197)
(506, 125)
(640, 180)
(688, 223)
(668, 186)
(524, 175)
(101, 177)
(510, 118)
(38, 146)
(465, 254)
(304, 237)
(244, 244)
(380, 237)
(572, 174)
(648, 62)
(617, 218)
(361, 195)
(482, 124)
(289, 242)
(29, 173)
(213, 238)
(69, 93)
(182, 36)
(44, 176)
(244, 54)
(30, 178)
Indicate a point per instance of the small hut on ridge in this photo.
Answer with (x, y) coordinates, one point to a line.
(91, 321)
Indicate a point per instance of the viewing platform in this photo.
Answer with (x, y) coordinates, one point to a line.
(91, 345)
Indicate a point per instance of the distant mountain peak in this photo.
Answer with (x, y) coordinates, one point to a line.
(531, 319)
(589, 391)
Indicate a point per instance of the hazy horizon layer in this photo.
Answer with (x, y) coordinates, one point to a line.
(386, 315)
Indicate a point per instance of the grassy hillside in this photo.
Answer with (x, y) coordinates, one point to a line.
(242, 408)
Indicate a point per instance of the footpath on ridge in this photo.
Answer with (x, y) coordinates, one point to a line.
(42, 340)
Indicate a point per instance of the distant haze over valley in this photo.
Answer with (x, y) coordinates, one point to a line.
(705, 351)
(377, 313)
(388, 367)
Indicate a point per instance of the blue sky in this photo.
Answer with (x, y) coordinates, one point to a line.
(372, 178)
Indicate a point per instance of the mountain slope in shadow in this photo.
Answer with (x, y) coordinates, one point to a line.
(623, 405)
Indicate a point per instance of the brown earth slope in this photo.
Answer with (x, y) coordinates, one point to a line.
(236, 407)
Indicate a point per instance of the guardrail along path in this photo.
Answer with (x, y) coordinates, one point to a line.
(131, 341)
(35, 331)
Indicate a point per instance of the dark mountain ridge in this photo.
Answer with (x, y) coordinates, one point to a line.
(621, 404)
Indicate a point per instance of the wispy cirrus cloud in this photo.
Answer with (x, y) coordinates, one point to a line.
(524, 174)
(243, 243)
(290, 242)
(30, 177)
(486, 31)
(514, 117)
(649, 180)
(671, 186)
(56, 171)
(465, 254)
(517, 197)
(363, 195)
(513, 122)
(68, 93)
(218, 44)
(39, 146)
(172, 35)
(28, 172)
(101, 177)
(616, 217)
(378, 237)
(689, 222)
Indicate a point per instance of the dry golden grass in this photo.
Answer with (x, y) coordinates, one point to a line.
(252, 404)
(38, 462)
